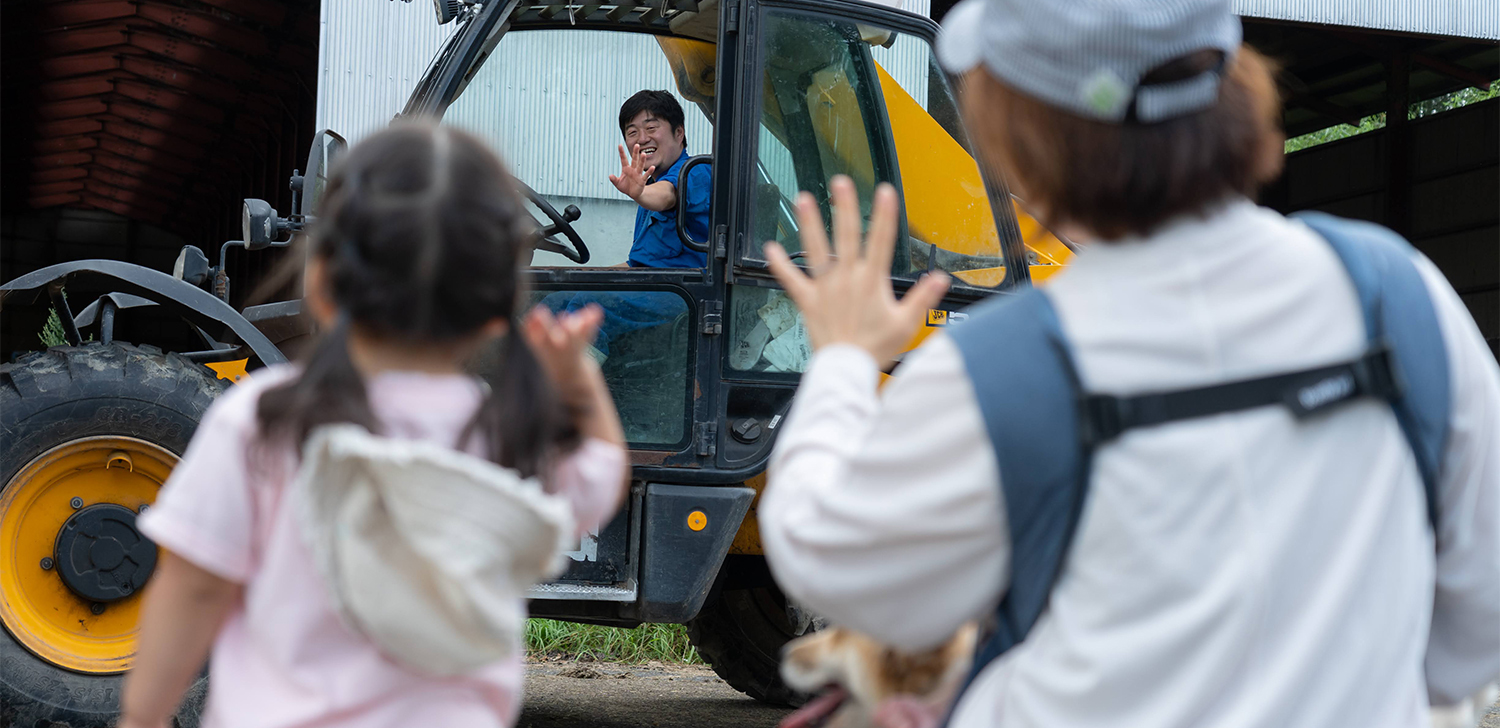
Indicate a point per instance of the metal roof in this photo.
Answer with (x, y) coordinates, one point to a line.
(154, 110)
(1333, 75)
(165, 112)
(1455, 18)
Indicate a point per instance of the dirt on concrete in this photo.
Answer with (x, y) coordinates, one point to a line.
(568, 694)
(653, 695)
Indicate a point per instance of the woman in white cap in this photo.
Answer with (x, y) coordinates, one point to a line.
(1279, 504)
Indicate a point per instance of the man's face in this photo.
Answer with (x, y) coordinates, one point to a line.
(661, 145)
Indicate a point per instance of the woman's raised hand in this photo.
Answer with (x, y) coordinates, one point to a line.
(848, 299)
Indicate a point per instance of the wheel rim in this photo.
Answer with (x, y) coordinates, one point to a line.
(93, 475)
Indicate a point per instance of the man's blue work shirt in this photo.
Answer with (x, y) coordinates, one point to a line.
(656, 243)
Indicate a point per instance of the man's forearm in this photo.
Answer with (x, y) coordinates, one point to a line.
(658, 197)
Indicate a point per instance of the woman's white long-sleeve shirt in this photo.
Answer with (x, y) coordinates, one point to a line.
(1243, 569)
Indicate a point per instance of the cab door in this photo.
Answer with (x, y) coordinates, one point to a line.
(546, 92)
(853, 89)
(547, 96)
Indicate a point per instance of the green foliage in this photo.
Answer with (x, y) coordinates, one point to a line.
(1335, 133)
(1452, 101)
(646, 643)
(1418, 110)
(52, 331)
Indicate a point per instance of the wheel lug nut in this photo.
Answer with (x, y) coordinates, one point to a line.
(76, 502)
(96, 608)
(47, 563)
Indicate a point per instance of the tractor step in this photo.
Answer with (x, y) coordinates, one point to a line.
(584, 592)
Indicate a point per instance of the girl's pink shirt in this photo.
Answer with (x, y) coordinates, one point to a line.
(284, 658)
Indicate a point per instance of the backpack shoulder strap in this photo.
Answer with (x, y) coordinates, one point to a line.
(1399, 314)
(1017, 358)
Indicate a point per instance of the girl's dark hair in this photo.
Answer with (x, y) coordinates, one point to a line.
(421, 236)
(1123, 179)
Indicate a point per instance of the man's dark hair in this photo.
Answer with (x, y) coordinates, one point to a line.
(662, 105)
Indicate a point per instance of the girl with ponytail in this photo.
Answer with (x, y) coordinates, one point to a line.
(352, 536)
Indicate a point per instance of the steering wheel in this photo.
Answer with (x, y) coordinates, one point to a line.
(561, 223)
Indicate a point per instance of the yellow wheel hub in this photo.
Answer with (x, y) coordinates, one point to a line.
(35, 605)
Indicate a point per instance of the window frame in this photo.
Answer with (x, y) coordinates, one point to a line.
(540, 283)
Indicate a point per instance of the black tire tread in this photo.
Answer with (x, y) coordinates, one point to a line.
(748, 664)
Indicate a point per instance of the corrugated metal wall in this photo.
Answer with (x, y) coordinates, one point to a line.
(1463, 18)
(549, 100)
(372, 53)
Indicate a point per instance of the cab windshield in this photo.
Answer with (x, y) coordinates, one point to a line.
(549, 102)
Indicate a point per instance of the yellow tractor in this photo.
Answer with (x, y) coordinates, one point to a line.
(785, 94)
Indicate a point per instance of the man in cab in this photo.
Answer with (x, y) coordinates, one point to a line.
(651, 161)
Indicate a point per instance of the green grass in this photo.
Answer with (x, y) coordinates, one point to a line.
(646, 643)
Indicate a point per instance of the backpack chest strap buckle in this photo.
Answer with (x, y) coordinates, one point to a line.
(1104, 417)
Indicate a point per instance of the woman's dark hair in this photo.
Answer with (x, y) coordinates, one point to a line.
(662, 105)
(1122, 179)
(422, 237)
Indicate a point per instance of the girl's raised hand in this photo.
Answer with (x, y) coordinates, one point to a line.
(559, 342)
(848, 299)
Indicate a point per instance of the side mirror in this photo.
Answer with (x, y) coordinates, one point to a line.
(327, 147)
(258, 224)
(191, 265)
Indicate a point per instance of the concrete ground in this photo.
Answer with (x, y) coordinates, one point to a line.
(562, 694)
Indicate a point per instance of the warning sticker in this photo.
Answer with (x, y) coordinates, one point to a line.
(939, 317)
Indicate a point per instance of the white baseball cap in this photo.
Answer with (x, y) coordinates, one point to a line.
(1090, 56)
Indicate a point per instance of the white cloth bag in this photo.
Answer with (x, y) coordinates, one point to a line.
(426, 551)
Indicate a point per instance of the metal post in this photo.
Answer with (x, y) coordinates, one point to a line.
(1398, 146)
(106, 320)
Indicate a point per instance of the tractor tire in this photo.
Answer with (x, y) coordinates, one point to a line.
(99, 427)
(740, 635)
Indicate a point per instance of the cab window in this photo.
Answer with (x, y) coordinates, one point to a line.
(820, 116)
(951, 225)
(854, 99)
(549, 103)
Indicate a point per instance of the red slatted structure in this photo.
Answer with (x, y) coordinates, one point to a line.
(164, 112)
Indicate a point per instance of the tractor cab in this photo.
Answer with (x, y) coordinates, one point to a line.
(703, 362)
(778, 98)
